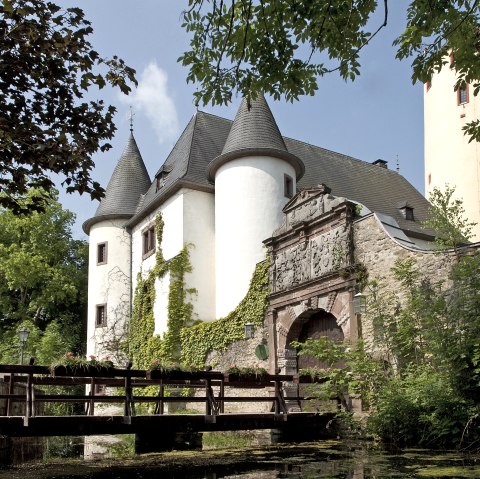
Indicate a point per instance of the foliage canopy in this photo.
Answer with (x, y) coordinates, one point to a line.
(43, 282)
(282, 47)
(46, 125)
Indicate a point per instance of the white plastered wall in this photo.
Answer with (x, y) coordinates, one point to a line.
(188, 219)
(199, 232)
(108, 284)
(249, 197)
(449, 157)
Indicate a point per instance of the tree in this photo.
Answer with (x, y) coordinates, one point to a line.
(46, 126)
(43, 281)
(282, 47)
(446, 217)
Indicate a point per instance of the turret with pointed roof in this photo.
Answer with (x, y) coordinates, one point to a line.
(255, 175)
(129, 181)
(255, 132)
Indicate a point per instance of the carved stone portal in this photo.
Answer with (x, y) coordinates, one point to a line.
(321, 255)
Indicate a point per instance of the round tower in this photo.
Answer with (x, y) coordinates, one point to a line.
(109, 267)
(255, 176)
(449, 157)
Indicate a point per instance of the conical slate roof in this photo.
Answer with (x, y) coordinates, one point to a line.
(254, 128)
(254, 132)
(129, 181)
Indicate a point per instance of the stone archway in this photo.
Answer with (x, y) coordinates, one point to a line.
(320, 324)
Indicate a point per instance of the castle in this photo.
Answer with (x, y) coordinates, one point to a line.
(234, 191)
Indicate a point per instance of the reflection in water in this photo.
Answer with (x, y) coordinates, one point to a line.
(360, 463)
(323, 459)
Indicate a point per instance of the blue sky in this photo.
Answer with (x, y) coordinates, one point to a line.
(380, 115)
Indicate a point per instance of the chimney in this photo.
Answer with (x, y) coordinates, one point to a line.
(381, 163)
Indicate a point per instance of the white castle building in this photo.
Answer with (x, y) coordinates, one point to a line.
(449, 156)
(222, 189)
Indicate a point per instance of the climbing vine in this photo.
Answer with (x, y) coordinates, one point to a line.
(197, 341)
(143, 345)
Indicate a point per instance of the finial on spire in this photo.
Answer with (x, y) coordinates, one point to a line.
(398, 165)
(131, 118)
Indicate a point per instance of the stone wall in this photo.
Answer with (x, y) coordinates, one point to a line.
(378, 251)
(240, 354)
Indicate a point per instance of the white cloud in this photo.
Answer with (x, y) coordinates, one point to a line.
(152, 98)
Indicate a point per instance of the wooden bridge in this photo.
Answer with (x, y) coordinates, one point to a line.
(27, 389)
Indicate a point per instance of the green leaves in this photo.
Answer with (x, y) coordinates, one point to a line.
(197, 341)
(43, 280)
(446, 217)
(272, 46)
(143, 346)
(47, 67)
(283, 47)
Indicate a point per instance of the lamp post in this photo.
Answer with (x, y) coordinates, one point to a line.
(22, 336)
(359, 303)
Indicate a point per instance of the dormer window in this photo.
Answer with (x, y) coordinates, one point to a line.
(161, 177)
(406, 210)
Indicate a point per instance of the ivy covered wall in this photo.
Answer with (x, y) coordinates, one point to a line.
(197, 341)
(142, 345)
(184, 342)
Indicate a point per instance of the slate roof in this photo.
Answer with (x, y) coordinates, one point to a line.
(129, 181)
(254, 132)
(254, 127)
(206, 137)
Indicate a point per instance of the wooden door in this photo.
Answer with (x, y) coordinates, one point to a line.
(320, 324)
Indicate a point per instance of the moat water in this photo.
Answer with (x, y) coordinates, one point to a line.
(327, 459)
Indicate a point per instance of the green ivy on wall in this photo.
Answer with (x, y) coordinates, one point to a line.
(143, 345)
(197, 341)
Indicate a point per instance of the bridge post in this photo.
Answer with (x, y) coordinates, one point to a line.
(11, 391)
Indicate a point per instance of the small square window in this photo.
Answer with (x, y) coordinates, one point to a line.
(148, 242)
(101, 316)
(102, 253)
(407, 213)
(462, 95)
(288, 186)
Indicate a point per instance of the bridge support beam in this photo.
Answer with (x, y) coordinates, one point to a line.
(146, 442)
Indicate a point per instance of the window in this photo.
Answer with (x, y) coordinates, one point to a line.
(102, 253)
(462, 95)
(161, 177)
(101, 315)
(148, 241)
(288, 186)
(408, 212)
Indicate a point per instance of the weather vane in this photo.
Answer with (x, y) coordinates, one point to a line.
(131, 118)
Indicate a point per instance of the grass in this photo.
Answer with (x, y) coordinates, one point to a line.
(228, 440)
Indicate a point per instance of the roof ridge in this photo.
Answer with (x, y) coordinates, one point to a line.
(343, 155)
(195, 117)
(213, 114)
(175, 144)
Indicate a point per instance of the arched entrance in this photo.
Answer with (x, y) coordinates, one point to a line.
(319, 324)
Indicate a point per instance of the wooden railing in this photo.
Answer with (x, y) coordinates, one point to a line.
(214, 384)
